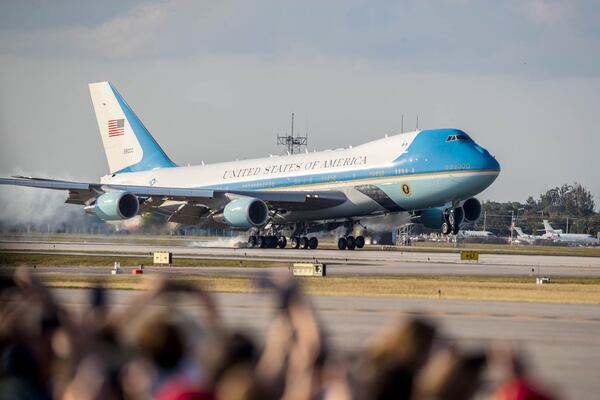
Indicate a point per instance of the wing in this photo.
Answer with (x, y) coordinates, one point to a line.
(183, 204)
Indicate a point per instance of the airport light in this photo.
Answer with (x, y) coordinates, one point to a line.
(517, 217)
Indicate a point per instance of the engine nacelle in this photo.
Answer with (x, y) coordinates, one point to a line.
(116, 206)
(246, 213)
(432, 218)
(472, 209)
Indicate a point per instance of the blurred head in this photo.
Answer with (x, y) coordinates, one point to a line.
(240, 383)
(230, 350)
(406, 344)
(393, 359)
(450, 375)
(17, 360)
(162, 341)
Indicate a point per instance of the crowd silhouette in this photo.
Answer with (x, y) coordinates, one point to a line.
(153, 349)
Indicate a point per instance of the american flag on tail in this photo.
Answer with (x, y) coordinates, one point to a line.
(116, 127)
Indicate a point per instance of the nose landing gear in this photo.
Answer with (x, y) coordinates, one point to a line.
(452, 221)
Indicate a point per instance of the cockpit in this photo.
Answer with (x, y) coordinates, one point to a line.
(461, 136)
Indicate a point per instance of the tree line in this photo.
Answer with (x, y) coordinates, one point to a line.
(569, 207)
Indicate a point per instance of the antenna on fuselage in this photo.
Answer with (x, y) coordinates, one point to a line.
(402, 124)
(293, 143)
(417, 121)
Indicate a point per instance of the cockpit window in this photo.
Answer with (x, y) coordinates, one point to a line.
(460, 136)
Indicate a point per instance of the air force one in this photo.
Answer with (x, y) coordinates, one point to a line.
(427, 176)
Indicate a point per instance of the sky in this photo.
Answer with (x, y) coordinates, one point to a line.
(217, 80)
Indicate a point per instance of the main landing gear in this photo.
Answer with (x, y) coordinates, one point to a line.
(300, 240)
(348, 241)
(303, 242)
(351, 242)
(273, 242)
(267, 242)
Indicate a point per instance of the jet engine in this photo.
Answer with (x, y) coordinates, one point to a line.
(471, 209)
(115, 206)
(245, 212)
(432, 218)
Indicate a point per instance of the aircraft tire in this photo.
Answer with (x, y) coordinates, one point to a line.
(282, 242)
(260, 242)
(446, 229)
(360, 242)
(351, 242)
(295, 242)
(251, 241)
(313, 243)
(342, 243)
(272, 242)
(455, 229)
(304, 242)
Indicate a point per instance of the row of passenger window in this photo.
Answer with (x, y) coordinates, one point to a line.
(330, 178)
(258, 185)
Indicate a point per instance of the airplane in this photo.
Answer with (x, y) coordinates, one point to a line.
(572, 238)
(428, 176)
(523, 237)
(477, 234)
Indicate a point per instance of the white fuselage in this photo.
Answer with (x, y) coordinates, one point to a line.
(409, 171)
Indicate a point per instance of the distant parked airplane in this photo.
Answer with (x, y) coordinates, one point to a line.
(523, 237)
(477, 234)
(571, 238)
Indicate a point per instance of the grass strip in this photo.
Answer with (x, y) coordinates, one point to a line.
(63, 260)
(485, 248)
(560, 290)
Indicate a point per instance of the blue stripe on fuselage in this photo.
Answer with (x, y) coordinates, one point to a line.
(429, 153)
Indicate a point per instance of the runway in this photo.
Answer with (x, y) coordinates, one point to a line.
(407, 269)
(360, 262)
(561, 341)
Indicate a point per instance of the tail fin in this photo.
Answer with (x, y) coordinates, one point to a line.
(128, 145)
(548, 227)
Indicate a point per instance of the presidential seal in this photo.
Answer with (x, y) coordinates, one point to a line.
(406, 189)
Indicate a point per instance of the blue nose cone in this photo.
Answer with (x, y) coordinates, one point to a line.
(484, 160)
